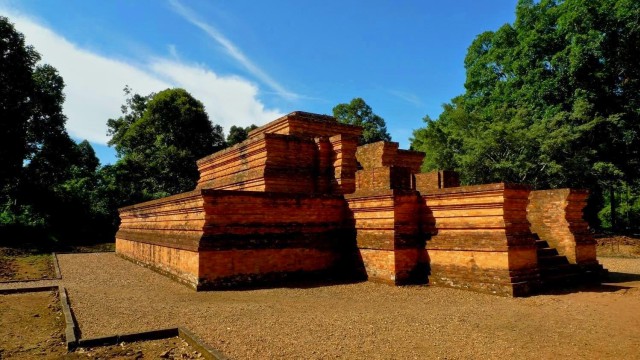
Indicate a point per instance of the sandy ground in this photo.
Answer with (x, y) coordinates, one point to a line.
(31, 326)
(365, 320)
(171, 348)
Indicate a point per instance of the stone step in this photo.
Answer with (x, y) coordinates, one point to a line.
(554, 260)
(541, 244)
(559, 269)
(561, 280)
(545, 252)
(560, 276)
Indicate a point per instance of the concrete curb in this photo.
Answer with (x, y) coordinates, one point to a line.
(131, 337)
(207, 351)
(84, 253)
(71, 329)
(28, 280)
(56, 266)
(28, 289)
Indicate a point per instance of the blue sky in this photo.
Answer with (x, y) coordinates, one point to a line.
(252, 61)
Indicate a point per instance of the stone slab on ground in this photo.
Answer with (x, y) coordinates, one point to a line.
(364, 320)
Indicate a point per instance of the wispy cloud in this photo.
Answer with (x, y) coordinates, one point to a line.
(232, 50)
(408, 97)
(94, 83)
(173, 51)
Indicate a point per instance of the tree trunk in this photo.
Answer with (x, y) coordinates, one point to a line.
(612, 196)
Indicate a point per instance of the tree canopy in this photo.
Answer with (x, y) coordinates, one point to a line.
(238, 134)
(158, 139)
(31, 97)
(551, 100)
(52, 187)
(357, 112)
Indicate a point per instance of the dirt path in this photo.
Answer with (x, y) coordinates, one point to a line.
(110, 295)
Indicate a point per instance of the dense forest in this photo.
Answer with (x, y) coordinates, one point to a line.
(552, 100)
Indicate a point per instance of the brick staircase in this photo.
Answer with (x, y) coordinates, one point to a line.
(555, 269)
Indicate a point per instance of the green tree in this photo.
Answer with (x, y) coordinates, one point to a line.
(158, 140)
(551, 100)
(36, 153)
(238, 134)
(357, 112)
(20, 78)
(17, 63)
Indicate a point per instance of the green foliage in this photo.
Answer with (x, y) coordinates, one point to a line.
(552, 100)
(19, 215)
(47, 181)
(357, 112)
(17, 64)
(627, 208)
(158, 139)
(238, 134)
(52, 188)
(25, 101)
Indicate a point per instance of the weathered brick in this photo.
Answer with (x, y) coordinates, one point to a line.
(299, 199)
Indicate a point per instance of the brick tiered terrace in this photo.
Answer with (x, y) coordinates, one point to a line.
(299, 199)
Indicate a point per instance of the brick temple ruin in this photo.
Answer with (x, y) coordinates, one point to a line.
(300, 200)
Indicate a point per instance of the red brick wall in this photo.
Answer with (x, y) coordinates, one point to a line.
(556, 216)
(181, 265)
(270, 162)
(481, 239)
(306, 125)
(298, 153)
(255, 235)
(434, 180)
(384, 167)
(175, 221)
(388, 236)
(255, 267)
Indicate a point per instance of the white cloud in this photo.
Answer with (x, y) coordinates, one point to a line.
(231, 49)
(94, 84)
(219, 94)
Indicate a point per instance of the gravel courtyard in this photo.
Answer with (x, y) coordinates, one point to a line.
(110, 295)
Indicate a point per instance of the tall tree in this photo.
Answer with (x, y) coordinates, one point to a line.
(357, 112)
(36, 153)
(551, 100)
(158, 140)
(17, 87)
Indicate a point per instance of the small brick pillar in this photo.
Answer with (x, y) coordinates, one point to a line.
(386, 213)
(434, 180)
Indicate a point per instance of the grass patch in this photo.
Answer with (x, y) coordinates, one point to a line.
(24, 264)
